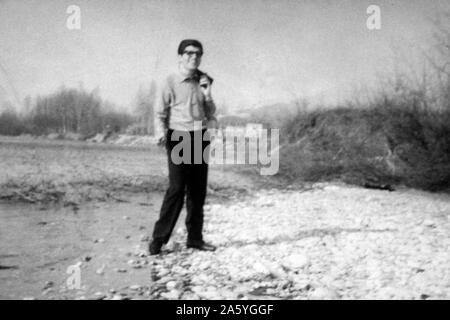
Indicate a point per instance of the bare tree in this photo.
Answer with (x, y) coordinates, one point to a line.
(143, 108)
(439, 58)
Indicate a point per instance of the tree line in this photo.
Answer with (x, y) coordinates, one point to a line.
(75, 110)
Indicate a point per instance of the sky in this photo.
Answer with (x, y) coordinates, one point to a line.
(258, 51)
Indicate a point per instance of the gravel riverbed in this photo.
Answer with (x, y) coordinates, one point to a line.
(329, 242)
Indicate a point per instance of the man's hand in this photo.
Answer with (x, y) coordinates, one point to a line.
(205, 85)
(162, 139)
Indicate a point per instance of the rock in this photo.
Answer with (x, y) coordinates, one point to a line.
(261, 268)
(100, 270)
(190, 296)
(429, 223)
(118, 297)
(47, 291)
(276, 271)
(99, 295)
(165, 279)
(163, 272)
(139, 252)
(171, 295)
(145, 238)
(197, 289)
(205, 265)
(101, 240)
(120, 270)
(209, 294)
(173, 245)
(200, 279)
(296, 261)
(28, 298)
(387, 293)
(87, 258)
(126, 218)
(228, 295)
(171, 285)
(136, 287)
(48, 285)
(323, 294)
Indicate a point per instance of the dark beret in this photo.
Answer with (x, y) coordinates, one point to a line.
(189, 42)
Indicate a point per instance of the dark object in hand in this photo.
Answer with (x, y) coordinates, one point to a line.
(205, 80)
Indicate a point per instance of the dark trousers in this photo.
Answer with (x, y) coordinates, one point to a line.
(188, 179)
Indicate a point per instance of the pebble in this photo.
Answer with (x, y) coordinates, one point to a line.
(260, 268)
(171, 285)
(429, 223)
(209, 294)
(205, 265)
(99, 295)
(296, 261)
(48, 284)
(163, 272)
(323, 294)
(100, 270)
(171, 295)
(136, 287)
(165, 279)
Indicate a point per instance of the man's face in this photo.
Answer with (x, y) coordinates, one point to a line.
(191, 57)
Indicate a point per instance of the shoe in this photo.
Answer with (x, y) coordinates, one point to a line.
(203, 246)
(155, 247)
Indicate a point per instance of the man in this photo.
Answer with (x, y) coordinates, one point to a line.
(184, 108)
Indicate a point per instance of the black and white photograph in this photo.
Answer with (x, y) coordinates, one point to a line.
(246, 152)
